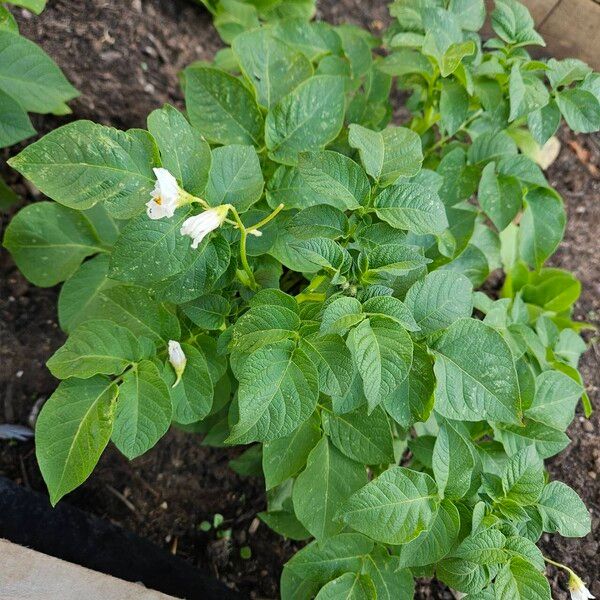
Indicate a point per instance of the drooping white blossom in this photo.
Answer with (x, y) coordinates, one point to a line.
(165, 196)
(199, 226)
(177, 359)
(578, 589)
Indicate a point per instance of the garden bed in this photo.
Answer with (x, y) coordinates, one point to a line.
(124, 57)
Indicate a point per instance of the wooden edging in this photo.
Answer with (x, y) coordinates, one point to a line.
(29, 575)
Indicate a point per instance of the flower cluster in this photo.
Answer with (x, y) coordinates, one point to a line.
(167, 197)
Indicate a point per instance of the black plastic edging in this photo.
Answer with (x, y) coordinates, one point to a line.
(27, 519)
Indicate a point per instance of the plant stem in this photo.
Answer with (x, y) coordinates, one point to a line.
(559, 565)
(244, 231)
(243, 253)
(308, 294)
(266, 219)
(446, 138)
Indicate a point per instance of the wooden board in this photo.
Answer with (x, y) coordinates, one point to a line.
(29, 575)
(572, 29)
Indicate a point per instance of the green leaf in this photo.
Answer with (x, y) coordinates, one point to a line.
(513, 24)
(341, 314)
(334, 364)
(98, 347)
(323, 561)
(184, 152)
(454, 106)
(151, 250)
(483, 547)
(30, 76)
(80, 292)
(8, 198)
(382, 351)
(335, 179)
(314, 40)
(364, 438)
(462, 575)
(131, 307)
(544, 122)
(221, 107)
(248, 463)
(284, 523)
(235, 177)
(411, 206)
(580, 108)
(555, 399)
(208, 311)
(328, 479)
(500, 196)
(7, 20)
(470, 13)
(520, 580)
(439, 300)
(284, 457)
(393, 260)
(391, 308)
(460, 180)
(563, 511)
(523, 477)
(143, 410)
(389, 154)
(72, 430)
(520, 546)
(453, 56)
(318, 221)
(453, 462)
(260, 326)
(48, 242)
(278, 391)
(294, 587)
(412, 401)
(199, 271)
(315, 254)
(394, 508)
(273, 68)
(565, 72)
(14, 122)
(306, 119)
(527, 93)
(542, 226)
(350, 586)
(83, 163)
(491, 146)
(390, 579)
(476, 376)
(192, 397)
(547, 440)
(435, 543)
(35, 6)
(569, 347)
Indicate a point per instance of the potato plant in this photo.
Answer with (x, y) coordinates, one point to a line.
(281, 267)
(30, 81)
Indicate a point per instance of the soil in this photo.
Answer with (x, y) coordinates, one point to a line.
(124, 56)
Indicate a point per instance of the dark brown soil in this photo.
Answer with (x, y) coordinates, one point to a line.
(124, 56)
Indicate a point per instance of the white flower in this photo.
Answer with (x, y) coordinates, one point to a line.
(578, 589)
(199, 226)
(177, 359)
(165, 196)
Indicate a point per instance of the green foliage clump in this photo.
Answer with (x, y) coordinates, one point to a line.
(30, 81)
(329, 316)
